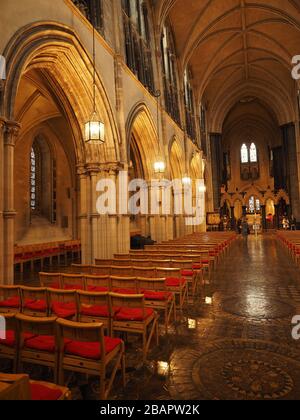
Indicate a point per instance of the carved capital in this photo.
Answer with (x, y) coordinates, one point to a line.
(11, 133)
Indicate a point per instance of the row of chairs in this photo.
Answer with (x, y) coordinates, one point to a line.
(88, 307)
(137, 278)
(291, 241)
(63, 345)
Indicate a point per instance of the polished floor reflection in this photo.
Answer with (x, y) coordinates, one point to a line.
(233, 342)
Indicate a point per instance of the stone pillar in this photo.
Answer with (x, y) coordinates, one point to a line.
(2, 130)
(264, 217)
(10, 135)
(216, 162)
(83, 215)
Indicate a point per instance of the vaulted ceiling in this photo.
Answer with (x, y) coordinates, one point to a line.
(237, 50)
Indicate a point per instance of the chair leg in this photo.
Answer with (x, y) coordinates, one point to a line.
(102, 383)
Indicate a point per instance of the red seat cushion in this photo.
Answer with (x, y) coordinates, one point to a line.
(91, 350)
(96, 310)
(42, 343)
(74, 287)
(188, 273)
(41, 392)
(12, 302)
(205, 261)
(99, 289)
(10, 339)
(121, 291)
(131, 314)
(197, 266)
(175, 282)
(64, 310)
(159, 296)
(55, 285)
(37, 305)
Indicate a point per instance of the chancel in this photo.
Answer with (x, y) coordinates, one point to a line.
(149, 201)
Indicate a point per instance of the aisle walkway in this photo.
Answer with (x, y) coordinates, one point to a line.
(241, 346)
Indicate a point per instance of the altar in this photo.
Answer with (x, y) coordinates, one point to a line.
(255, 223)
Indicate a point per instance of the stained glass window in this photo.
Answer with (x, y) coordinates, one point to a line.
(244, 154)
(257, 205)
(252, 205)
(253, 153)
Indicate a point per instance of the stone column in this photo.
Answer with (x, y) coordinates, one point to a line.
(2, 129)
(10, 135)
(233, 223)
(83, 215)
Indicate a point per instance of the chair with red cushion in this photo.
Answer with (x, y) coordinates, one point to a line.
(50, 280)
(175, 283)
(102, 262)
(188, 272)
(44, 391)
(121, 271)
(8, 342)
(98, 283)
(135, 318)
(63, 304)
(41, 349)
(158, 298)
(73, 282)
(124, 285)
(146, 272)
(98, 270)
(81, 269)
(10, 301)
(94, 307)
(89, 352)
(34, 301)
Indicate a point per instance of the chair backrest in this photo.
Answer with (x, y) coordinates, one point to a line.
(97, 282)
(73, 281)
(149, 272)
(127, 301)
(183, 264)
(81, 269)
(141, 263)
(104, 263)
(51, 280)
(9, 324)
(122, 256)
(123, 284)
(61, 296)
(123, 271)
(98, 270)
(7, 292)
(168, 272)
(121, 263)
(36, 326)
(10, 301)
(89, 299)
(75, 331)
(34, 294)
(155, 284)
(162, 263)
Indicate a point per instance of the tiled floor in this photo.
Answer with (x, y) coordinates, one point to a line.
(240, 347)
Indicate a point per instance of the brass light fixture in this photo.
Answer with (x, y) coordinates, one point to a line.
(94, 130)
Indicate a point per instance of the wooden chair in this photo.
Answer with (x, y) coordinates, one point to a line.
(135, 318)
(8, 339)
(98, 283)
(123, 271)
(94, 308)
(158, 298)
(21, 388)
(148, 272)
(81, 269)
(34, 301)
(142, 263)
(122, 256)
(123, 285)
(188, 273)
(175, 283)
(105, 263)
(97, 270)
(10, 301)
(50, 280)
(89, 352)
(63, 303)
(41, 349)
(73, 282)
(121, 263)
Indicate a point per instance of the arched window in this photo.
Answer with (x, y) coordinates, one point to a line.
(169, 68)
(253, 153)
(138, 42)
(244, 154)
(189, 105)
(35, 179)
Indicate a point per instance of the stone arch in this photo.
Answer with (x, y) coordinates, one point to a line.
(177, 159)
(56, 50)
(140, 125)
(282, 195)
